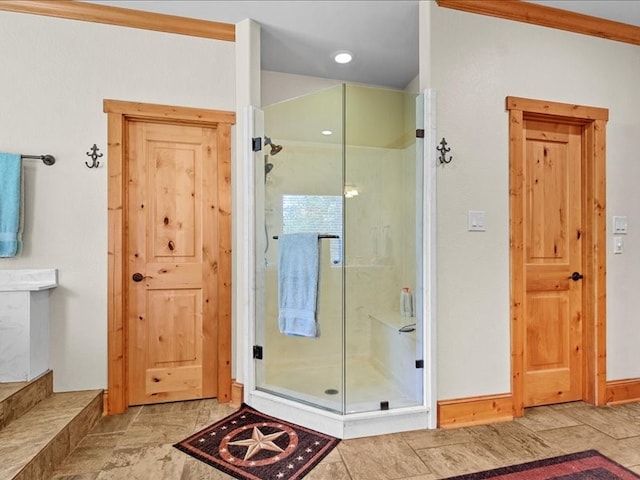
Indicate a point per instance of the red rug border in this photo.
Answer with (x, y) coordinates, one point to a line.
(546, 462)
(231, 470)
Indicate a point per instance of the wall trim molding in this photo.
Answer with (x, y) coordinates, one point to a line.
(551, 17)
(622, 391)
(464, 412)
(123, 17)
(237, 393)
(105, 402)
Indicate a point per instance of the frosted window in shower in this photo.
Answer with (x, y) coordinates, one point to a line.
(315, 214)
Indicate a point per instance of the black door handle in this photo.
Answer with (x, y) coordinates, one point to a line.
(137, 277)
(575, 276)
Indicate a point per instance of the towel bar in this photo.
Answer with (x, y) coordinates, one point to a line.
(275, 237)
(46, 159)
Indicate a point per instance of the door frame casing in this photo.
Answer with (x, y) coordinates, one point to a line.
(593, 121)
(118, 114)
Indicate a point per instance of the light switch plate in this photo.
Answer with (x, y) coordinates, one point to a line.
(618, 245)
(619, 225)
(477, 221)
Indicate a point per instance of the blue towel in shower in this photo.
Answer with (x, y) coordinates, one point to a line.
(10, 204)
(298, 284)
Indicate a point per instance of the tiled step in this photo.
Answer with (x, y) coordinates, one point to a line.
(33, 445)
(17, 398)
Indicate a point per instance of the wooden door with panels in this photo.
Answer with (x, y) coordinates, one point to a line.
(553, 345)
(557, 252)
(172, 260)
(170, 254)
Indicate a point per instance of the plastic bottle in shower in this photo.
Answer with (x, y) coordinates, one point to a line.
(406, 303)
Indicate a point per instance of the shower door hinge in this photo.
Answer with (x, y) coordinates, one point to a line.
(420, 133)
(256, 144)
(419, 363)
(257, 352)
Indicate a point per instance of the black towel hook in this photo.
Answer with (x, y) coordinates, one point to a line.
(94, 157)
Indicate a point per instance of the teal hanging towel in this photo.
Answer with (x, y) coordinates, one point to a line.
(10, 204)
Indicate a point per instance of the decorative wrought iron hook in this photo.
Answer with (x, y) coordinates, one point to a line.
(444, 150)
(94, 157)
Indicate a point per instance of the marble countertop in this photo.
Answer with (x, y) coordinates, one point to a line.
(28, 279)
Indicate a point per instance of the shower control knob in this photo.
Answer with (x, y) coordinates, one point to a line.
(137, 277)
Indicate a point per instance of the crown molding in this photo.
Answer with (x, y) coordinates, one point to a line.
(124, 17)
(537, 14)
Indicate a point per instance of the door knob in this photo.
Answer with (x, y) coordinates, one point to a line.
(575, 276)
(137, 277)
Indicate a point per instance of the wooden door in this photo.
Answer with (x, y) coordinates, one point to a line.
(172, 258)
(552, 253)
(557, 226)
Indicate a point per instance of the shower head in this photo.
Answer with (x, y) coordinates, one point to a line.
(275, 149)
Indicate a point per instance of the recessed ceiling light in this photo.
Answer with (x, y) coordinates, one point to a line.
(343, 56)
(326, 132)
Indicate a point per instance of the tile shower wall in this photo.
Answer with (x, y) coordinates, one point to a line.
(380, 244)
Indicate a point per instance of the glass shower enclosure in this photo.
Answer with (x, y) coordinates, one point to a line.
(342, 163)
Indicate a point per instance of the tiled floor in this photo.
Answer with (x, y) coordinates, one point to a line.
(138, 445)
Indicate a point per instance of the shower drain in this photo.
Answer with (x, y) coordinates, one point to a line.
(331, 391)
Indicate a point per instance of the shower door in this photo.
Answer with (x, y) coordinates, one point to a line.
(299, 189)
(382, 256)
(342, 163)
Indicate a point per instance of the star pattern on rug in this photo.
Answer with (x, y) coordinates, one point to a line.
(250, 445)
(258, 442)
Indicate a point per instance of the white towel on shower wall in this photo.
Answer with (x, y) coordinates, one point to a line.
(298, 284)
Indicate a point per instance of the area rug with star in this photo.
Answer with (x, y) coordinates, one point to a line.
(587, 465)
(250, 445)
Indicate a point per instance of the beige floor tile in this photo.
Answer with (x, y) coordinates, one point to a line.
(171, 408)
(210, 413)
(635, 469)
(626, 451)
(631, 409)
(157, 462)
(194, 469)
(546, 418)
(429, 476)
(329, 471)
(380, 458)
(512, 443)
(81, 476)
(116, 423)
(90, 455)
(458, 459)
(333, 457)
(562, 406)
(576, 439)
(614, 422)
(145, 435)
(436, 438)
(159, 429)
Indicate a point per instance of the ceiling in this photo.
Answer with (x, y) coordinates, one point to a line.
(299, 36)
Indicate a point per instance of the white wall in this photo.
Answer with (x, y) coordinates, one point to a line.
(55, 74)
(476, 61)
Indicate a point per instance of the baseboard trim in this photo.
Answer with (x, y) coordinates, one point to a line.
(464, 412)
(237, 393)
(105, 402)
(622, 391)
